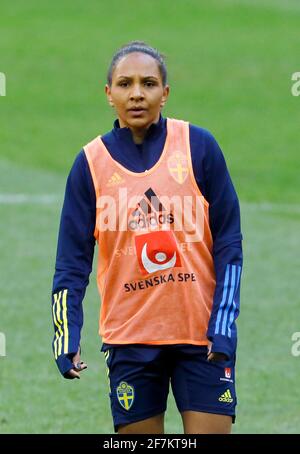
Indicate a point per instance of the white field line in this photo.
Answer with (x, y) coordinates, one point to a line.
(292, 208)
(29, 199)
(279, 5)
(48, 199)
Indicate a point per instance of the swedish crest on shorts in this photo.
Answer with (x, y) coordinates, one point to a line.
(125, 394)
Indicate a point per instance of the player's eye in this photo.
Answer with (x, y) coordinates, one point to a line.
(149, 83)
(123, 84)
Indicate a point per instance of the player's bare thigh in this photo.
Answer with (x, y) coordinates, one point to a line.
(154, 425)
(196, 422)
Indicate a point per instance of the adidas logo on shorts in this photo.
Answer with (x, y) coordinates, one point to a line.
(226, 397)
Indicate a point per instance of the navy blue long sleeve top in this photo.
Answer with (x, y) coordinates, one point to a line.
(76, 234)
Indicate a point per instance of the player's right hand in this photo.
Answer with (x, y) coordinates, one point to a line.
(79, 366)
(214, 356)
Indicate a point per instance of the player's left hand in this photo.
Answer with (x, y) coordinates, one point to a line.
(214, 356)
(79, 366)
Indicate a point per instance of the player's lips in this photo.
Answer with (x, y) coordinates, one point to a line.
(137, 111)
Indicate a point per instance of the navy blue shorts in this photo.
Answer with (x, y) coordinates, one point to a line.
(139, 378)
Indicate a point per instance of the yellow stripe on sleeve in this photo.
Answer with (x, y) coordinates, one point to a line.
(106, 355)
(55, 344)
(65, 322)
(57, 321)
(58, 309)
(57, 326)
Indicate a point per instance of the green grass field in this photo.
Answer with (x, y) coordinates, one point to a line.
(230, 65)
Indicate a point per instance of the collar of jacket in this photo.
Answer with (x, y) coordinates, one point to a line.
(154, 130)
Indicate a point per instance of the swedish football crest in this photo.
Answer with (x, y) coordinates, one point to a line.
(125, 395)
(178, 166)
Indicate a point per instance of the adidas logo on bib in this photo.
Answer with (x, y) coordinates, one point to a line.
(226, 397)
(150, 213)
(114, 180)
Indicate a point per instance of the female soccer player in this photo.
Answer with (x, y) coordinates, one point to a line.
(156, 195)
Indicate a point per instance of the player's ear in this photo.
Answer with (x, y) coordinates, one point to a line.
(108, 95)
(165, 95)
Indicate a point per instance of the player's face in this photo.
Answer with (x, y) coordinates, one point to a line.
(137, 91)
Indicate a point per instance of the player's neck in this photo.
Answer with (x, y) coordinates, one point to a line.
(138, 135)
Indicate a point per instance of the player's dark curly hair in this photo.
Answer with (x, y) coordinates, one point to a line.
(138, 46)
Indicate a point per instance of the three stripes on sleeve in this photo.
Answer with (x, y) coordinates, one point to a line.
(229, 306)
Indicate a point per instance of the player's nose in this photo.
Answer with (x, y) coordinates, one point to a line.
(136, 92)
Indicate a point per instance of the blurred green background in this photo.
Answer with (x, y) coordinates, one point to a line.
(230, 64)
